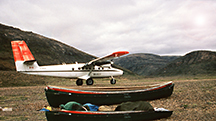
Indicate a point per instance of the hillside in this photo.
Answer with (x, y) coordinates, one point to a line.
(46, 51)
(144, 64)
(194, 63)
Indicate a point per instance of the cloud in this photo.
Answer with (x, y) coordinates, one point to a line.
(101, 27)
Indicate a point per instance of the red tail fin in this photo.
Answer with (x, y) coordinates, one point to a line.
(21, 51)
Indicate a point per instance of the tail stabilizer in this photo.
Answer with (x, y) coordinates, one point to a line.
(23, 58)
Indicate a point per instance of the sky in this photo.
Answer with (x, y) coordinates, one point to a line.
(100, 27)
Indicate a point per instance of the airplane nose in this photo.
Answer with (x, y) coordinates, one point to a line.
(118, 72)
(121, 72)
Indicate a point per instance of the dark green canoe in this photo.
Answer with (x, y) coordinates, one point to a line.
(106, 116)
(107, 95)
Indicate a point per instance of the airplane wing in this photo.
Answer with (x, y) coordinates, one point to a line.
(107, 57)
(101, 61)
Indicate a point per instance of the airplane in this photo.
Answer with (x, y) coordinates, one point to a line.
(98, 68)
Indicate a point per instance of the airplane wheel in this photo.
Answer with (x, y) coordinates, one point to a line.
(79, 82)
(113, 81)
(89, 81)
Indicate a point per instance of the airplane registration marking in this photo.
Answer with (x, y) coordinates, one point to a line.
(96, 73)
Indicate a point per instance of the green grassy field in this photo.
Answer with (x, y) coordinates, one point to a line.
(193, 97)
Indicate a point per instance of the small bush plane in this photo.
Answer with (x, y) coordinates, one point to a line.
(99, 67)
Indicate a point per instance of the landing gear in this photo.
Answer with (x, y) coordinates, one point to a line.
(89, 81)
(79, 82)
(113, 81)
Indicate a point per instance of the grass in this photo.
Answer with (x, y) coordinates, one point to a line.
(14, 79)
(193, 97)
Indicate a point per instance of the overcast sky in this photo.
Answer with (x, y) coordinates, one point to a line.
(100, 27)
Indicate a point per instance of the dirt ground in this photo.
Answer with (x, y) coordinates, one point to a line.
(191, 100)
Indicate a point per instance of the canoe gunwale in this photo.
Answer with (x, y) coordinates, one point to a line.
(107, 116)
(107, 112)
(78, 91)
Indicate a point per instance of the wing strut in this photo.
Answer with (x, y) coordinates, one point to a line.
(85, 77)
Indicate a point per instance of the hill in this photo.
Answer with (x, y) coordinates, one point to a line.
(194, 63)
(144, 64)
(46, 51)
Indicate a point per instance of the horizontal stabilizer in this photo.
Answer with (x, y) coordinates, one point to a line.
(30, 62)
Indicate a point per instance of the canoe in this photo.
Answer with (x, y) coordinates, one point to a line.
(107, 95)
(106, 116)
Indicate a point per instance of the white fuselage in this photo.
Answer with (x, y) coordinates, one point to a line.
(72, 71)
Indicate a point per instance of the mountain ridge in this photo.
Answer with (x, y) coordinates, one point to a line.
(144, 63)
(49, 52)
(194, 63)
(46, 51)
